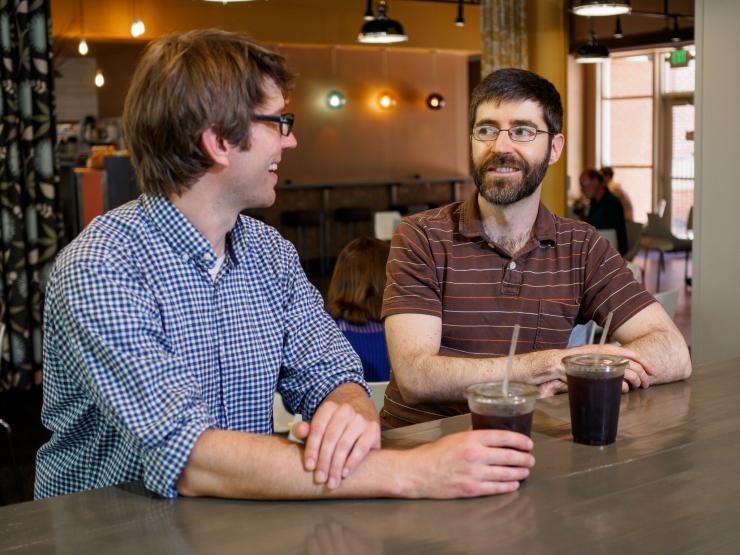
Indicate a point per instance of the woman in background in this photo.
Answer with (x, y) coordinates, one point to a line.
(355, 299)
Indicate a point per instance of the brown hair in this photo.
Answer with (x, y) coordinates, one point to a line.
(356, 289)
(184, 84)
(513, 84)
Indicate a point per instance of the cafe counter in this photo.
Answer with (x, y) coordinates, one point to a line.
(669, 484)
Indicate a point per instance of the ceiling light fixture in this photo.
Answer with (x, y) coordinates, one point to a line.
(460, 20)
(99, 79)
(435, 101)
(137, 25)
(82, 47)
(618, 34)
(369, 11)
(592, 52)
(382, 29)
(675, 32)
(335, 100)
(386, 100)
(596, 8)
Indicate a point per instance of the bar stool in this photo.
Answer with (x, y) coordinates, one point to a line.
(300, 221)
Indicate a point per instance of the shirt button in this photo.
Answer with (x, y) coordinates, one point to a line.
(512, 265)
(185, 257)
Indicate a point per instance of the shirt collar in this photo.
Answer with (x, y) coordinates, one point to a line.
(471, 221)
(182, 235)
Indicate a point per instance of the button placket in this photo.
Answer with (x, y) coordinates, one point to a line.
(512, 280)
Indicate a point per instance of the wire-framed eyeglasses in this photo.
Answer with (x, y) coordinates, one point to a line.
(518, 133)
(284, 122)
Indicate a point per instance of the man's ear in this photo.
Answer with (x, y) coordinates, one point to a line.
(215, 147)
(558, 142)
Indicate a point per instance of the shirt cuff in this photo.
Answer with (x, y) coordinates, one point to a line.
(317, 396)
(164, 464)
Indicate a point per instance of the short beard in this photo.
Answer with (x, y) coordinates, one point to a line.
(502, 191)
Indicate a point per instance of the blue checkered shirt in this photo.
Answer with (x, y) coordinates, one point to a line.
(143, 350)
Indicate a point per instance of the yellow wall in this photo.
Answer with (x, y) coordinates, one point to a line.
(548, 56)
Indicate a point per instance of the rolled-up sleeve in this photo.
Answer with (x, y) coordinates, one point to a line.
(317, 358)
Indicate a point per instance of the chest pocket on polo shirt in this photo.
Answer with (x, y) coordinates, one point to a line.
(555, 322)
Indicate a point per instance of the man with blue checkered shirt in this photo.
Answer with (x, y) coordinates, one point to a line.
(171, 321)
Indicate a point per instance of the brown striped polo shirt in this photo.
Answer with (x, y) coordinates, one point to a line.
(442, 263)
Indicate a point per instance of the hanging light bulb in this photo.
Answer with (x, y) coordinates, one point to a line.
(460, 20)
(99, 79)
(137, 27)
(618, 33)
(369, 11)
(82, 47)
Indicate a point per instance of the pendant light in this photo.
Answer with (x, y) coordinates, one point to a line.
(369, 11)
(592, 52)
(137, 25)
(381, 29)
(596, 8)
(82, 47)
(460, 20)
(99, 79)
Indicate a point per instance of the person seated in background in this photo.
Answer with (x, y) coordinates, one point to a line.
(618, 191)
(604, 209)
(355, 299)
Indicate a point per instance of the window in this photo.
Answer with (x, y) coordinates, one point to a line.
(647, 135)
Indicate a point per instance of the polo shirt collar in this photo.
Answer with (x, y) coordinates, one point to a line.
(182, 236)
(471, 221)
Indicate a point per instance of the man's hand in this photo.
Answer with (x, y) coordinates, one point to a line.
(468, 464)
(338, 438)
(548, 373)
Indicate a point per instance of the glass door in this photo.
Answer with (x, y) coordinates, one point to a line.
(677, 164)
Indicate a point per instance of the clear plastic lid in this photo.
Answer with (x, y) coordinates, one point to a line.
(492, 393)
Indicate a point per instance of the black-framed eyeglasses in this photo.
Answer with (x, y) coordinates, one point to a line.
(518, 133)
(285, 122)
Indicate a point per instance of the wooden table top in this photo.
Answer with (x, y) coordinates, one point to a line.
(669, 484)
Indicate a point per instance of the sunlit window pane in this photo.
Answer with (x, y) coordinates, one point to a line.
(631, 131)
(630, 76)
(638, 184)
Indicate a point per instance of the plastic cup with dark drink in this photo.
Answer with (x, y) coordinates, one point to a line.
(594, 391)
(492, 409)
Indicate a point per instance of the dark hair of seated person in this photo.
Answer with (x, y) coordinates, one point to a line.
(356, 289)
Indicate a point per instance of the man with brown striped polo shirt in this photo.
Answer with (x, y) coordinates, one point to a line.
(461, 276)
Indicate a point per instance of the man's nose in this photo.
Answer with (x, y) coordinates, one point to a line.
(289, 142)
(503, 143)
